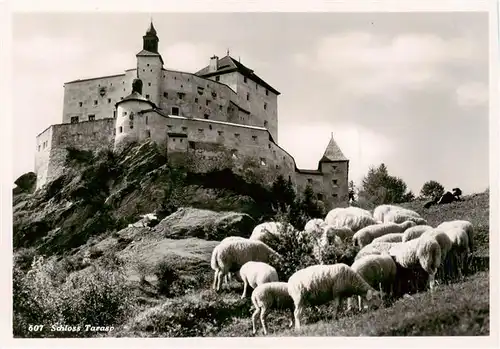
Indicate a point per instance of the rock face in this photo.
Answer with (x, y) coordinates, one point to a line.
(25, 183)
(205, 224)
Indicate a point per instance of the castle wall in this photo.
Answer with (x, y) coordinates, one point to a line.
(149, 70)
(89, 135)
(42, 156)
(131, 125)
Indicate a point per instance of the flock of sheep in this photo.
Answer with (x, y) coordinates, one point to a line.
(390, 239)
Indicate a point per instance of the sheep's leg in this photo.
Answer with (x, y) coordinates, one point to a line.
(219, 279)
(245, 284)
(349, 303)
(291, 320)
(214, 285)
(360, 303)
(254, 319)
(263, 314)
(336, 303)
(297, 313)
(432, 281)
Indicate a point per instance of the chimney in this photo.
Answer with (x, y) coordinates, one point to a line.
(214, 64)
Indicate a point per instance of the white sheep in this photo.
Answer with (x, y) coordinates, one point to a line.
(379, 271)
(230, 255)
(344, 233)
(415, 232)
(380, 211)
(329, 238)
(351, 217)
(315, 227)
(265, 231)
(228, 277)
(445, 244)
(366, 235)
(466, 225)
(393, 237)
(271, 295)
(375, 248)
(460, 248)
(423, 252)
(319, 284)
(254, 274)
(402, 215)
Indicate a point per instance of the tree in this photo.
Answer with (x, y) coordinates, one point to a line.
(379, 187)
(431, 190)
(283, 192)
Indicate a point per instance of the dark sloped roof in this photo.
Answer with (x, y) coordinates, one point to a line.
(135, 96)
(150, 54)
(312, 172)
(333, 152)
(228, 64)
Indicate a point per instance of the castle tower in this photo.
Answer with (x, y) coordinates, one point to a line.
(150, 66)
(335, 168)
(130, 125)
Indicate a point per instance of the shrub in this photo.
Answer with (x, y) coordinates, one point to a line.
(166, 275)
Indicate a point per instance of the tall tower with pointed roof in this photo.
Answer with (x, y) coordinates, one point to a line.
(150, 66)
(335, 169)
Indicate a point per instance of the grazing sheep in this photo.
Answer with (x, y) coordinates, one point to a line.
(255, 274)
(227, 278)
(447, 260)
(229, 256)
(319, 284)
(315, 227)
(366, 235)
(401, 215)
(375, 248)
(379, 271)
(415, 232)
(351, 217)
(271, 295)
(344, 233)
(393, 237)
(382, 210)
(264, 231)
(460, 248)
(423, 252)
(466, 225)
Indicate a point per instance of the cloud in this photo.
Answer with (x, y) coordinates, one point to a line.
(371, 64)
(472, 94)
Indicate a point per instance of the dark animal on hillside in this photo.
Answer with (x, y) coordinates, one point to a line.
(446, 198)
(457, 192)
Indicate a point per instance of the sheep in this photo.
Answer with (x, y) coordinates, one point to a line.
(315, 227)
(375, 248)
(401, 215)
(423, 252)
(459, 248)
(271, 295)
(319, 284)
(230, 255)
(265, 231)
(350, 217)
(393, 237)
(415, 232)
(255, 274)
(344, 233)
(466, 225)
(380, 211)
(366, 235)
(444, 243)
(228, 276)
(379, 271)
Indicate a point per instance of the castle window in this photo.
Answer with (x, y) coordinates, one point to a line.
(151, 70)
(263, 161)
(39, 148)
(80, 104)
(320, 196)
(109, 100)
(120, 129)
(200, 130)
(114, 114)
(269, 145)
(180, 140)
(114, 131)
(254, 138)
(220, 133)
(175, 111)
(91, 117)
(248, 96)
(180, 95)
(265, 123)
(123, 82)
(121, 98)
(182, 86)
(146, 119)
(267, 92)
(220, 107)
(175, 77)
(74, 119)
(277, 166)
(147, 65)
(217, 78)
(265, 106)
(334, 168)
(210, 127)
(131, 116)
(147, 96)
(144, 70)
(95, 102)
(184, 128)
(206, 116)
(149, 84)
(237, 135)
(165, 94)
(214, 94)
(124, 113)
(196, 100)
(245, 79)
(309, 180)
(334, 182)
(335, 195)
(169, 127)
(207, 102)
(131, 125)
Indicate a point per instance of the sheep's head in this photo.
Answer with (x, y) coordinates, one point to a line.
(373, 298)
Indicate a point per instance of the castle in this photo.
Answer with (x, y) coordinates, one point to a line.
(224, 108)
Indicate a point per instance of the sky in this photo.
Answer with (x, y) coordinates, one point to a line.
(406, 89)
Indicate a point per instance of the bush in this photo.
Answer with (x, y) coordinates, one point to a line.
(92, 296)
(166, 275)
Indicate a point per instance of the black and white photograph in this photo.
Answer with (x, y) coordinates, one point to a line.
(253, 171)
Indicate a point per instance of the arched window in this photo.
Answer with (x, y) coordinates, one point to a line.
(148, 133)
(120, 129)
